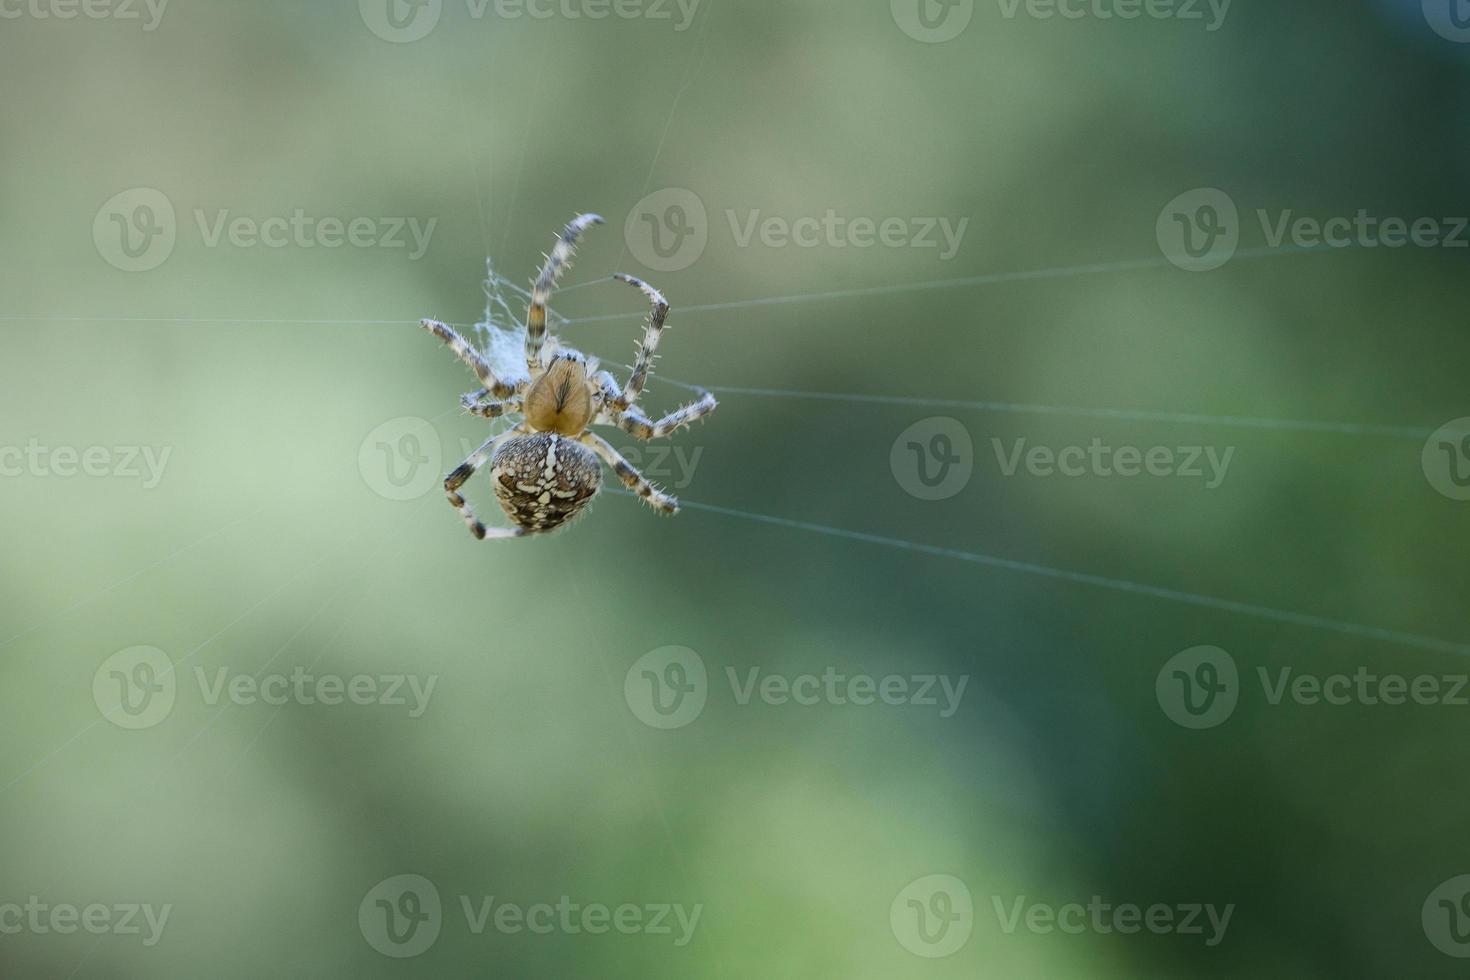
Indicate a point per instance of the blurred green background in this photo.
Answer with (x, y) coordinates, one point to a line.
(296, 398)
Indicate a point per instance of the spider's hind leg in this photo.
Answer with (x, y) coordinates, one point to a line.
(462, 474)
(632, 479)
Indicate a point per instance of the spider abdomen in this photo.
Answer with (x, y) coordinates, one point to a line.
(543, 480)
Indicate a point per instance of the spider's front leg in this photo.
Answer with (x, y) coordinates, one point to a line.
(556, 263)
(472, 358)
(462, 474)
(632, 479)
(643, 364)
(488, 410)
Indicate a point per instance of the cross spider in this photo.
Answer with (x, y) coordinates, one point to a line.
(546, 468)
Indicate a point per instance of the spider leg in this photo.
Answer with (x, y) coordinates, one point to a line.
(489, 410)
(639, 426)
(466, 352)
(556, 263)
(472, 398)
(461, 475)
(631, 478)
(643, 364)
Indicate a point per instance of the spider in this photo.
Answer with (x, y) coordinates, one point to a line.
(547, 468)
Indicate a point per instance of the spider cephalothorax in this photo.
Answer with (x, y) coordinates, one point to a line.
(547, 468)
